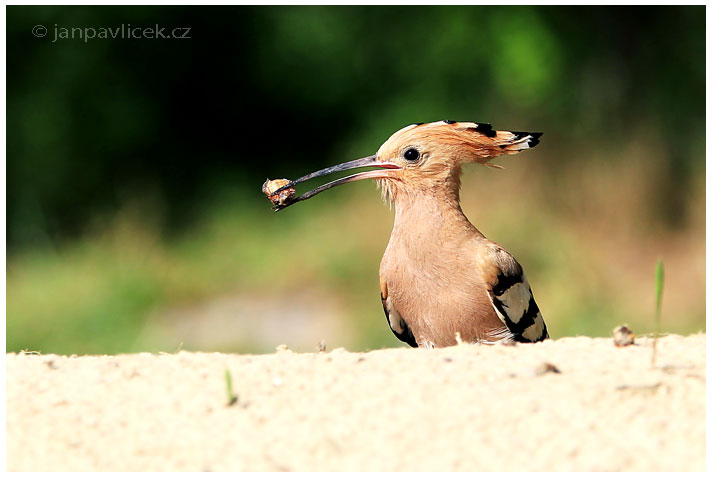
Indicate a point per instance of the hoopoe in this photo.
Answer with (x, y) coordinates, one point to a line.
(440, 276)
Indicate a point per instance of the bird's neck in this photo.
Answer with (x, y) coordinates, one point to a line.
(428, 216)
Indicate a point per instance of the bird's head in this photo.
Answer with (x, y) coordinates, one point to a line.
(427, 158)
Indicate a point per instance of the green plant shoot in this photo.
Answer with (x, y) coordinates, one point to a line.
(659, 280)
(231, 397)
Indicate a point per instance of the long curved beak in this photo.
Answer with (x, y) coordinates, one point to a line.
(369, 161)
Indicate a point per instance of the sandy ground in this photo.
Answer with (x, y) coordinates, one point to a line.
(461, 408)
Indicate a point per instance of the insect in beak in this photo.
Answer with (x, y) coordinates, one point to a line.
(369, 161)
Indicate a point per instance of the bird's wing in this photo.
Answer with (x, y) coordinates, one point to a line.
(511, 296)
(397, 324)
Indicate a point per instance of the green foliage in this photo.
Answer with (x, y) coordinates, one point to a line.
(258, 90)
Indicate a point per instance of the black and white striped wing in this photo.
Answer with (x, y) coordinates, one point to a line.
(514, 303)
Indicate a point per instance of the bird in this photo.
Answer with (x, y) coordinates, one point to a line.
(441, 280)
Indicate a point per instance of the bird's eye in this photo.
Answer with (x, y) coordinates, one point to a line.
(411, 155)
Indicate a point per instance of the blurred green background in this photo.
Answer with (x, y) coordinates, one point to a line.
(135, 220)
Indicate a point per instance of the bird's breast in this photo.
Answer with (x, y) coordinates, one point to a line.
(434, 285)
